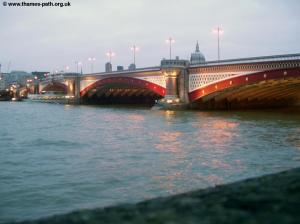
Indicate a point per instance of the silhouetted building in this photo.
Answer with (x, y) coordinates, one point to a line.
(108, 67)
(120, 68)
(3, 81)
(131, 67)
(14, 77)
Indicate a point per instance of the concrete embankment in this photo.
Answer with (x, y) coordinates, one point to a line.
(270, 199)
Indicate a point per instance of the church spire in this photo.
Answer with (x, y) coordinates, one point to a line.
(197, 57)
(197, 47)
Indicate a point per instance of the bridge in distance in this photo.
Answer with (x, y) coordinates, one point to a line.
(269, 81)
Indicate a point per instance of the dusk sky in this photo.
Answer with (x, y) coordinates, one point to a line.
(50, 38)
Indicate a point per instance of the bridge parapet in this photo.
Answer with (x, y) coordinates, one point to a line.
(174, 63)
(124, 72)
(245, 67)
(251, 60)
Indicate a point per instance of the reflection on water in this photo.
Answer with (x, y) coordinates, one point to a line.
(169, 142)
(219, 132)
(54, 158)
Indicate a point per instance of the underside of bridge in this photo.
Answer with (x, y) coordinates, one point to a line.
(122, 90)
(265, 94)
(55, 87)
(121, 94)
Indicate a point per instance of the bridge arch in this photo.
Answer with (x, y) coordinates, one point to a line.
(265, 88)
(55, 86)
(123, 89)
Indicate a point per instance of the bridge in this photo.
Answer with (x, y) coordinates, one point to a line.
(269, 81)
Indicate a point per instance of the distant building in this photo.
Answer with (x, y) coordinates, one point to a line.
(2, 85)
(14, 77)
(120, 68)
(2, 81)
(197, 57)
(108, 67)
(131, 67)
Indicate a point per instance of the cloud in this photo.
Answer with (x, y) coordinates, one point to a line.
(50, 38)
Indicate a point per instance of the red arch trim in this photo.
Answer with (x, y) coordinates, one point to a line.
(244, 80)
(126, 80)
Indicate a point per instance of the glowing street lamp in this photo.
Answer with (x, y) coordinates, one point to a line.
(170, 41)
(110, 54)
(219, 31)
(67, 68)
(134, 50)
(92, 59)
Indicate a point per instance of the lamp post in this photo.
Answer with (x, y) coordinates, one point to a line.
(110, 54)
(134, 50)
(219, 31)
(170, 41)
(91, 60)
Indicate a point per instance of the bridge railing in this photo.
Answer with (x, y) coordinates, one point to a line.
(154, 68)
(273, 58)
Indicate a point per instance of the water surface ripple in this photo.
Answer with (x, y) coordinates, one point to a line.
(55, 159)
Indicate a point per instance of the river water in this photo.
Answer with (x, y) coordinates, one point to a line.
(58, 158)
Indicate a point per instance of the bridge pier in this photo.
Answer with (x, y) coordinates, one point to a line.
(183, 87)
(73, 88)
(176, 76)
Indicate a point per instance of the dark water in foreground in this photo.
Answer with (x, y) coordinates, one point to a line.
(55, 158)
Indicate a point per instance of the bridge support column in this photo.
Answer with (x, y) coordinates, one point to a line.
(73, 89)
(171, 76)
(36, 87)
(183, 86)
(175, 72)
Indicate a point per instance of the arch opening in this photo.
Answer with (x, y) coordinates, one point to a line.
(122, 91)
(55, 88)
